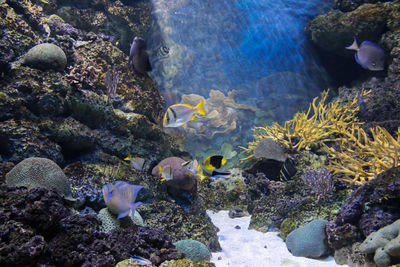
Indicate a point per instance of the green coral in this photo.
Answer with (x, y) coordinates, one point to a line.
(193, 249)
(186, 263)
(40, 172)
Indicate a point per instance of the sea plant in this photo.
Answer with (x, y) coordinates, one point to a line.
(321, 182)
(359, 157)
(308, 129)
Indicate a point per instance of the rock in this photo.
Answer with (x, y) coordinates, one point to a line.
(336, 30)
(40, 172)
(46, 56)
(267, 148)
(308, 241)
(193, 249)
(109, 221)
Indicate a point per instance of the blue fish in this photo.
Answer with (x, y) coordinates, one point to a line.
(369, 55)
(120, 198)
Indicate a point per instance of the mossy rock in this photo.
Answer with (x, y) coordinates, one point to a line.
(46, 56)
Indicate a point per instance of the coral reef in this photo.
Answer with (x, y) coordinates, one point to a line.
(320, 182)
(40, 172)
(385, 243)
(369, 208)
(180, 224)
(306, 130)
(43, 231)
(46, 56)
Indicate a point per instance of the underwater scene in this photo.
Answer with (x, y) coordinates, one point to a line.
(240, 133)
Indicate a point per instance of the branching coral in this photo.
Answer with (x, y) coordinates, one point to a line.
(361, 158)
(306, 130)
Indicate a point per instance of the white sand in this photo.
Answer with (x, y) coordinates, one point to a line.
(250, 248)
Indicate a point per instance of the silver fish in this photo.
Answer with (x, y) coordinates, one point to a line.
(194, 168)
(137, 163)
(141, 260)
(369, 55)
(120, 198)
(138, 57)
(180, 114)
(167, 173)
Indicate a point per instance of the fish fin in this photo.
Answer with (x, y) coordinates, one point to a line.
(159, 170)
(128, 157)
(353, 46)
(192, 118)
(199, 108)
(106, 193)
(223, 161)
(356, 57)
(372, 44)
(134, 205)
(123, 214)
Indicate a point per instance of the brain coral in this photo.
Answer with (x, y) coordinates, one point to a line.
(40, 172)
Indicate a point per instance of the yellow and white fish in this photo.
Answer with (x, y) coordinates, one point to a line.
(167, 173)
(137, 163)
(194, 168)
(214, 162)
(120, 198)
(179, 114)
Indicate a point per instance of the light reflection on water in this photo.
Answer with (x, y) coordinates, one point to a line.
(257, 47)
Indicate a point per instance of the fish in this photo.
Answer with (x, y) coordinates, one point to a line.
(194, 168)
(137, 163)
(214, 162)
(288, 170)
(138, 57)
(141, 260)
(167, 173)
(120, 198)
(369, 55)
(220, 174)
(180, 114)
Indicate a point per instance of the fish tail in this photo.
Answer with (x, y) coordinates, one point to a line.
(199, 108)
(353, 46)
(128, 157)
(133, 208)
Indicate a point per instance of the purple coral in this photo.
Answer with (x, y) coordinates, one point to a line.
(320, 182)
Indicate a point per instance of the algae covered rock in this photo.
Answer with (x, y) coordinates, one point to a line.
(186, 263)
(308, 241)
(46, 56)
(109, 221)
(40, 172)
(193, 249)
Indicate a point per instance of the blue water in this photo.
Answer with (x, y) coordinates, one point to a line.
(257, 47)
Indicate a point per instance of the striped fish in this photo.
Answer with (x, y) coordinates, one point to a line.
(180, 114)
(220, 174)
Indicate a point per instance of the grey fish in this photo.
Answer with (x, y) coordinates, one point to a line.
(369, 55)
(138, 57)
(120, 198)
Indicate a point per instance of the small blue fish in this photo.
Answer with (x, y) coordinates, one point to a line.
(220, 174)
(120, 198)
(141, 260)
(369, 55)
(180, 114)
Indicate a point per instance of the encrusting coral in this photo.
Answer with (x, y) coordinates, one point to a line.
(385, 243)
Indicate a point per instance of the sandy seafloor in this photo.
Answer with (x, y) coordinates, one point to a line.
(251, 248)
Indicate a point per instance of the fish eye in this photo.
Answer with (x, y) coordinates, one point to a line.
(374, 64)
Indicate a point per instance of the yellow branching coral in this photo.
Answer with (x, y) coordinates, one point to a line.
(306, 130)
(361, 158)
